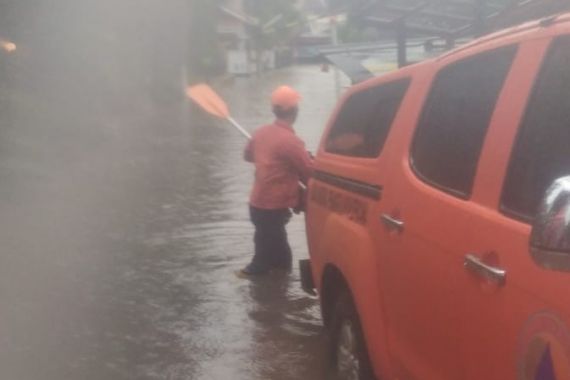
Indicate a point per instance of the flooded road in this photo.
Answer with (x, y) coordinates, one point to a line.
(118, 249)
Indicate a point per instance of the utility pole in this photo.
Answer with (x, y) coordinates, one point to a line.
(401, 36)
(480, 18)
(334, 37)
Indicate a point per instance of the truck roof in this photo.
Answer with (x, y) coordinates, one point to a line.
(525, 27)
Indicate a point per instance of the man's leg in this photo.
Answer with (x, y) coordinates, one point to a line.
(262, 237)
(282, 257)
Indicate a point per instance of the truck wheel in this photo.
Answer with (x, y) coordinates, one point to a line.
(348, 356)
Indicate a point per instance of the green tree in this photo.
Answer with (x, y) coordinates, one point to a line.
(205, 56)
(347, 5)
(354, 30)
(279, 22)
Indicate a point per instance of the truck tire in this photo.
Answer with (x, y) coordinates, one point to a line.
(348, 355)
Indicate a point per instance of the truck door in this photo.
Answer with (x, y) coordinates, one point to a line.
(426, 212)
(516, 307)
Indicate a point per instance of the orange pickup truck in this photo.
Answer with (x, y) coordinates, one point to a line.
(438, 217)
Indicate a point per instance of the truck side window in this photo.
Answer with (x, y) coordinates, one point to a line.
(363, 123)
(455, 119)
(541, 153)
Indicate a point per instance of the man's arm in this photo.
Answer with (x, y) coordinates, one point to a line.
(296, 154)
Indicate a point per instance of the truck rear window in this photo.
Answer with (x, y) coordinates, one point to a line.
(364, 121)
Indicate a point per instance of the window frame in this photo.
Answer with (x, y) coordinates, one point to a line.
(532, 96)
(426, 107)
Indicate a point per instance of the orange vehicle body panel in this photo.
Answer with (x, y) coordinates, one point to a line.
(424, 316)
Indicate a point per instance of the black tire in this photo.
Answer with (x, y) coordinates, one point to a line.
(348, 355)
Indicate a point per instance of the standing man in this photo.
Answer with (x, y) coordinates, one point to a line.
(281, 162)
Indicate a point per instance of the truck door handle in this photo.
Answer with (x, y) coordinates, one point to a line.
(496, 275)
(392, 223)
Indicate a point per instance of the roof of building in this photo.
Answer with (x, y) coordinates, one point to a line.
(455, 18)
(240, 16)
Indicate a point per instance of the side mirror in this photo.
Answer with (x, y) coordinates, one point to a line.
(550, 236)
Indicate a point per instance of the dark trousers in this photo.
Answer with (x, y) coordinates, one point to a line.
(271, 246)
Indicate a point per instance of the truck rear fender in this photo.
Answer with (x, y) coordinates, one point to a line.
(349, 261)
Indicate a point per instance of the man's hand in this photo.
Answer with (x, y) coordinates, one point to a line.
(302, 203)
(248, 152)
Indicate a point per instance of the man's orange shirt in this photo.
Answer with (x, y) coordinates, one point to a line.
(281, 161)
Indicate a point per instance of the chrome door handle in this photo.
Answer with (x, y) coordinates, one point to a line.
(474, 265)
(392, 223)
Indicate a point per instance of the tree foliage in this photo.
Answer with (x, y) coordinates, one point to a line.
(347, 5)
(354, 30)
(205, 56)
(279, 22)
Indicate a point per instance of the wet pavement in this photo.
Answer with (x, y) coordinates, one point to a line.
(119, 246)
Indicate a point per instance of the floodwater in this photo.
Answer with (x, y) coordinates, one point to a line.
(119, 247)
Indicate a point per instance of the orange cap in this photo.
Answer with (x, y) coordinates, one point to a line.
(285, 97)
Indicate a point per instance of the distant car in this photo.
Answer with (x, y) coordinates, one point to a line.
(439, 215)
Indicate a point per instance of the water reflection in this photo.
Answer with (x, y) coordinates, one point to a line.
(288, 328)
(267, 329)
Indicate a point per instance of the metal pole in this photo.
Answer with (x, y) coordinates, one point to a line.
(334, 36)
(401, 39)
(242, 130)
(480, 19)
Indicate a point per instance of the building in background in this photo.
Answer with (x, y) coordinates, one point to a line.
(258, 35)
(235, 38)
(408, 31)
